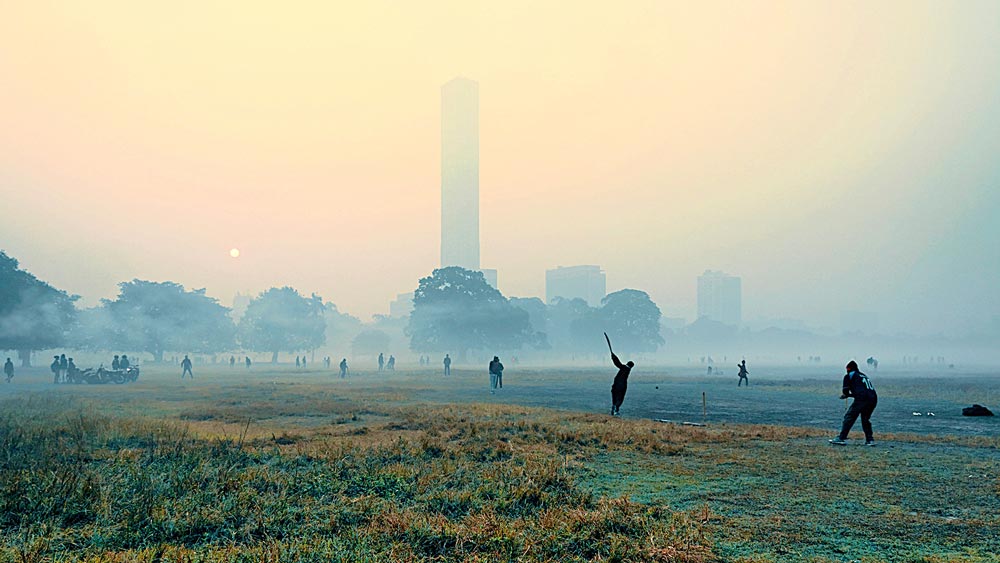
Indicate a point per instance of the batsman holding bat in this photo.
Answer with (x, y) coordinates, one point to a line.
(620, 385)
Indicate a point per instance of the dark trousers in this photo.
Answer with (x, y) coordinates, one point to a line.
(447, 370)
(187, 371)
(863, 408)
(617, 398)
(740, 382)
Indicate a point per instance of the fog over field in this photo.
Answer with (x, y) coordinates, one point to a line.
(499, 281)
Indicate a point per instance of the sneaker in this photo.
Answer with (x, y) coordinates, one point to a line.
(870, 443)
(838, 441)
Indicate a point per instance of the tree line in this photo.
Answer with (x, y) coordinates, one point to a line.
(455, 311)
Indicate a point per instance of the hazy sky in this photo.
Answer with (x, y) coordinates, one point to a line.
(836, 155)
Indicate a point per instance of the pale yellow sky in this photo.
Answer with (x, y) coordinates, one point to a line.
(835, 155)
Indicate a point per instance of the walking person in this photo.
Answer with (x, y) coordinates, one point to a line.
(391, 366)
(343, 368)
(247, 361)
(186, 367)
(858, 386)
(743, 373)
(8, 370)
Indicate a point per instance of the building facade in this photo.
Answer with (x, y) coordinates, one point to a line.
(584, 282)
(720, 297)
(460, 174)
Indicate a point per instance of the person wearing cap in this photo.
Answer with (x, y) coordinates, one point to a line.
(858, 386)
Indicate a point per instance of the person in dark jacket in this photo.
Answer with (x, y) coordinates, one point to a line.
(858, 386)
(496, 368)
(743, 373)
(115, 363)
(8, 370)
(620, 386)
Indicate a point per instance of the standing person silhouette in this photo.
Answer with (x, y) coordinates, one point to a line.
(232, 362)
(343, 368)
(620, 385)
(857, 385)
(381, 362)
(55, 369)
(496, 368)
(247, 361)
(8, 370)
(743, 373)
(116, 364)
(186, 367)
(447, 364)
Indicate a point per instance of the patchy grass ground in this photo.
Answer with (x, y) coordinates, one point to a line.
(285, 466)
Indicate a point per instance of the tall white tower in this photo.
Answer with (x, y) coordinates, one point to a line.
(460, 173)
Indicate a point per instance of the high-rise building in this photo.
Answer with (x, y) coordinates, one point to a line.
(460, 173)
(491, 277)
(240, 303)
(402, 305)
(584, 282)
(720, 297)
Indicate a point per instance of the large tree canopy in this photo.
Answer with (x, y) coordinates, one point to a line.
(455, 310)
(282, 320)
(158, 317)
(33, 314)
(632, 319)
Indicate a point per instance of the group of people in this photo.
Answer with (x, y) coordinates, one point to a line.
(62, 368)
(232, 361)
(383, 365)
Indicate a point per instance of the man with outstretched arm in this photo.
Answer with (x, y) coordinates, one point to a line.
(620, 385)
(857, 385)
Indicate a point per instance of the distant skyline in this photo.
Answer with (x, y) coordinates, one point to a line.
(837, 157)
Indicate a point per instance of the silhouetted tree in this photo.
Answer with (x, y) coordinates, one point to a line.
(370, 343)
(538, 316)
(33, 314)
(571, 326)
(158, 317)
(280, 319)
(455, 310)
(341, 328)
(634, 320)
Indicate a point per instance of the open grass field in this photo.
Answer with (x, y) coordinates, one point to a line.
(282, 465)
